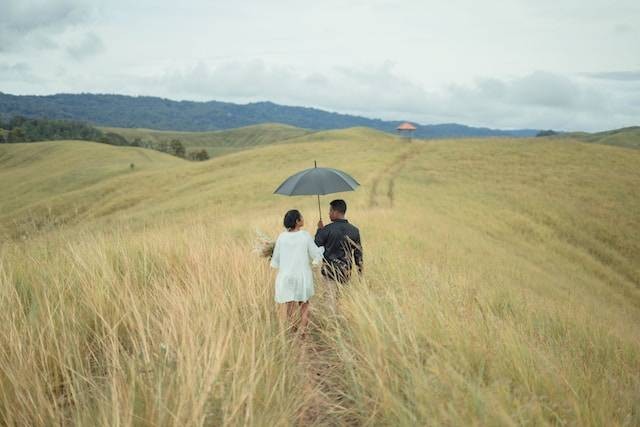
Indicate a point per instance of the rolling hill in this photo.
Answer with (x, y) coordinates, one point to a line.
(219, 142)
(41, 176)
(501, 285)
(625, 137)
(164, 114)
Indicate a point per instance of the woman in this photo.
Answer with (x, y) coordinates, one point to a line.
(291, 255)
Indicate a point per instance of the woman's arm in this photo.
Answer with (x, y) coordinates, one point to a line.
(315, 252)
(275, 258)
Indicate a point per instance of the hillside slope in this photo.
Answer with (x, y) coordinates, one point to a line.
(625, 137)
(218, 142)
(501, 286)
(38, 176)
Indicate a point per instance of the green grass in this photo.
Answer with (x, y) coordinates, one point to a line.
(626, 137)
(501, 286)
(218, 142)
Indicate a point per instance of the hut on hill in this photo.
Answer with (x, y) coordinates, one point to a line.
(406, 130)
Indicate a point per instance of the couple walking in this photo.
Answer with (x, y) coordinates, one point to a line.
(336, 247)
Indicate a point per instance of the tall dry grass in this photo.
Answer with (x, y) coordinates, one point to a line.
(106, 330)
(177, 326)
(500, 288)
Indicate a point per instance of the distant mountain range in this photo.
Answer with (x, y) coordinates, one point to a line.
(164, 114)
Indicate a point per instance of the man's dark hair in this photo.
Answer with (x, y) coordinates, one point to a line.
(339, 205)
(290, 219)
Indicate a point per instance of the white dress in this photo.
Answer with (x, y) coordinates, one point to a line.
(291, 256)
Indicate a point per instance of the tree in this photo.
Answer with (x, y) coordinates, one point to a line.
(199, 155)
(546, 133)
(16, 121)
(163, 146)
(137, 142)
(16, 135)
(202, 155)
(177, 149)
(114, 139)
(50, 130)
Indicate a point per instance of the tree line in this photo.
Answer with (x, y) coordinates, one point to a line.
(21, 129)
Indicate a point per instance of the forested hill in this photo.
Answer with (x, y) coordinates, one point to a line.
(165, 114)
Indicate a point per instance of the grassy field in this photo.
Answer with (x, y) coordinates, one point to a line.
(625, 137)
(219, 142)
(501, 286)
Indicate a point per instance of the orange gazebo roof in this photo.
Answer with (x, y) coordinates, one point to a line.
(406, 126)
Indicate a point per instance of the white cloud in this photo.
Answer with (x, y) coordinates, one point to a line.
(459, 61)
(89, 44)
(538, 100)
(630, 76)
(15, 72)
(37, 23)
(373, 89)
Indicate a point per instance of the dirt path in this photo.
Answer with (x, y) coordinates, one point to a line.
(318, 359)
(325, 405)
(388, 175)
(316, 362)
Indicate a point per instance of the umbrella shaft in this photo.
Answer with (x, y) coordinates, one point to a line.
(319, 210)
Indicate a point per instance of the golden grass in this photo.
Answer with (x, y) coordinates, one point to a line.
(219, 142)
(500, 288)
(113, 333)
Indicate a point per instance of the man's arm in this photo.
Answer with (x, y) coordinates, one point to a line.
(321, 235)
(357, 251)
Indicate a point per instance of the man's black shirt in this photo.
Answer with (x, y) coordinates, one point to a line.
(341, 242)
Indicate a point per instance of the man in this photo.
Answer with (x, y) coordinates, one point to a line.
(342, 246)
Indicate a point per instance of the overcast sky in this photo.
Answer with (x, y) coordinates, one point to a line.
(561, 64)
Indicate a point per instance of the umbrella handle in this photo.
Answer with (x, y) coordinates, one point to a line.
(315, 165)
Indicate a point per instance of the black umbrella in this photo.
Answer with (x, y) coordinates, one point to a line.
(317, 181)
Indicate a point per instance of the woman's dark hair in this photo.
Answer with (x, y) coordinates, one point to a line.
(291, 218)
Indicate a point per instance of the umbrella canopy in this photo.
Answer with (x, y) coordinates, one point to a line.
(316, 182)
